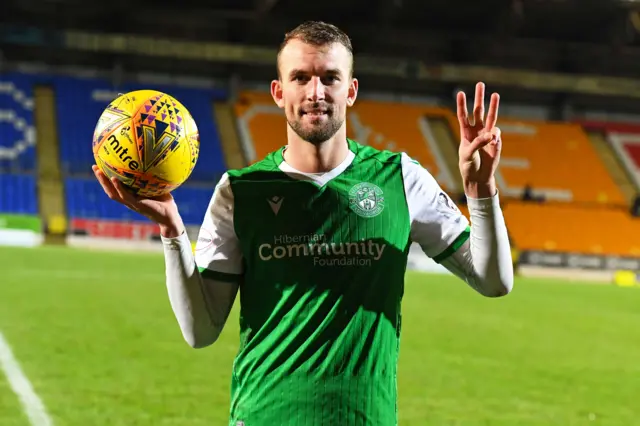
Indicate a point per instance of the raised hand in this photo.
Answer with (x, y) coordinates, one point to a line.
(161, 210)
(480, 144)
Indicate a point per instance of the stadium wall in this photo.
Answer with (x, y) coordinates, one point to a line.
(20, 230)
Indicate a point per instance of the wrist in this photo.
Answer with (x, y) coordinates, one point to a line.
(480, 189)
(172, 229)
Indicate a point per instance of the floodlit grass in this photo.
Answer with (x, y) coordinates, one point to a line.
(95, 334)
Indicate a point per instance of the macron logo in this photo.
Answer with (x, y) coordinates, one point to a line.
(275, 202)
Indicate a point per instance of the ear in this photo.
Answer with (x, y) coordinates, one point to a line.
(353, 92)
(276, 93)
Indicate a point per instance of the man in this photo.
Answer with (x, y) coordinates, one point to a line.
(316, 238)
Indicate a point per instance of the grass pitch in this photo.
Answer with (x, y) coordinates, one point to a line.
(95, 334)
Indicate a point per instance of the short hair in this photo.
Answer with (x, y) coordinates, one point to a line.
(317, 33)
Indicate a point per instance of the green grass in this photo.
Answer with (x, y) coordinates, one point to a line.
(10, 410)
(95, 334)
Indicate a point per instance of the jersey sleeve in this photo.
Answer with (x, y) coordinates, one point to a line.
(437, 224)
(217, 252)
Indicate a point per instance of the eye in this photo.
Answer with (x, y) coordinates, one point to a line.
(330, 79)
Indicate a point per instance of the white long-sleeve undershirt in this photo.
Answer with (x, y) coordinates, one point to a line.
(484, 261)
(202, 306)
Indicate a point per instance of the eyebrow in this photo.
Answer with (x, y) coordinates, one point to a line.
(332, 71)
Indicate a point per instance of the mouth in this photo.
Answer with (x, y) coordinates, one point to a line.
(315, 114)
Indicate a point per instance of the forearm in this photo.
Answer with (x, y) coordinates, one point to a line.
(188, 294)
(484, 262)
(490, 248)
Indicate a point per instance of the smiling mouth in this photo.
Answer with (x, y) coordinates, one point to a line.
(315, 113)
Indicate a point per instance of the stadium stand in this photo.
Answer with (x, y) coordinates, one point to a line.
(79, 104)
(17, 134)
(561, 164)
(405, 128)
(193, 201)
(557, 160)
(625, 141)
(87, 200)
(18, 194)
(570, 228)
(18, 185)
(261, 124)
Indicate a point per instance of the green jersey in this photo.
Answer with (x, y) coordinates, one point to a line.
(321, 259)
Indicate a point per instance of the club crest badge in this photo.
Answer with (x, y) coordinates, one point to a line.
(366, 199)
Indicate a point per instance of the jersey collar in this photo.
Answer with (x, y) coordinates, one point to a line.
(317, 178)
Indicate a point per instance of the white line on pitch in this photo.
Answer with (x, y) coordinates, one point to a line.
(33, 406)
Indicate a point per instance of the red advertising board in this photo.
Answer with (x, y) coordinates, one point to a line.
(114, 229)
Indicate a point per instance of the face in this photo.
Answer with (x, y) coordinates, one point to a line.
(315, 89)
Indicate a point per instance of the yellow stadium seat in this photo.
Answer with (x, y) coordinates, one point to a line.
(57, 225)
(262, 125)
(572, 228)
(556, 158)
(397, 127)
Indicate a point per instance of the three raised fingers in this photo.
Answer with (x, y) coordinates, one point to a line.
(478, 110)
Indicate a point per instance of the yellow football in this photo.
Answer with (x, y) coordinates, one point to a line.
(148, 140)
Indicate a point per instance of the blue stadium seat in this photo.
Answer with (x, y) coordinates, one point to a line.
(81, 101)
(17, 132)
(193, 202)
(86, 199)
(18, 194)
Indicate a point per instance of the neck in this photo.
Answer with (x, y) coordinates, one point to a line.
(310, 158)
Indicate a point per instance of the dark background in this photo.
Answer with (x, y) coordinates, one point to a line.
(594, 37)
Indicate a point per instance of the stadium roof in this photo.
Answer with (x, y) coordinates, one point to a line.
(562, 36)
(592, 21)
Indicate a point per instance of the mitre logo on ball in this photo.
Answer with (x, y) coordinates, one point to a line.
(148, 140)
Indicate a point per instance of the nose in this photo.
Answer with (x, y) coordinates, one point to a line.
(315, 90)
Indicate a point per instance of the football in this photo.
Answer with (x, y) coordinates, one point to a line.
(148, 140)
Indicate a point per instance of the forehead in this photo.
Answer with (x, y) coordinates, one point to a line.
(300, 55)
